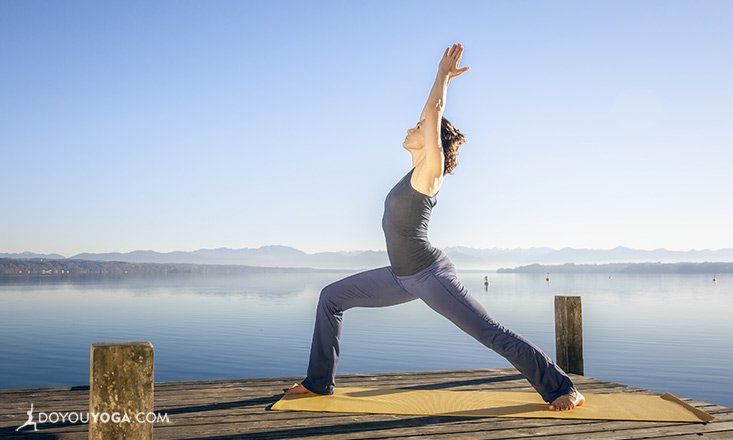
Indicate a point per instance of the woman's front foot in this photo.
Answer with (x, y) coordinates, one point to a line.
(568, 401)
(299, 389)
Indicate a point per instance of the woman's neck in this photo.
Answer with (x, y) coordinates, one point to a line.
(418, 157)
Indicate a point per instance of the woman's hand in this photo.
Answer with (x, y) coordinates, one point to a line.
(451, 58)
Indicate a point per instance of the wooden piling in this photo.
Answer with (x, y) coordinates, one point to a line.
(569, 333)
(121, 384)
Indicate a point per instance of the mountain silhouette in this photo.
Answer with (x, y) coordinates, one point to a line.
(464, 257)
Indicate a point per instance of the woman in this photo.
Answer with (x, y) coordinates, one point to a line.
(419, 270)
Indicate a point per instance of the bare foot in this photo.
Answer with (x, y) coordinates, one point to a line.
(300, 389)
(568, 401)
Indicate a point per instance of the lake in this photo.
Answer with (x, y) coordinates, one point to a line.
(666, 333)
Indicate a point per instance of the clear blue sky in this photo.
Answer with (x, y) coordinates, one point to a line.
(184, 125)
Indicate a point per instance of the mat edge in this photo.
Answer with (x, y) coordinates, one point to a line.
(704, 416)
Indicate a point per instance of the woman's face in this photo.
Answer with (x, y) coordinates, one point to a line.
(414, 139)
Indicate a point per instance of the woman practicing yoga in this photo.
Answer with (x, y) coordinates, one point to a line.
(419, 270)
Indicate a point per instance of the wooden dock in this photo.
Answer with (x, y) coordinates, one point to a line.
(231, 409)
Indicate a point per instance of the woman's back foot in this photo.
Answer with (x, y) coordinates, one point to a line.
(568, 401)
(299, 389)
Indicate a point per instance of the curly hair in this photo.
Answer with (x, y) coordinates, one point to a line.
(451, 139)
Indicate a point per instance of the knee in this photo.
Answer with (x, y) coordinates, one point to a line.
(330, 298)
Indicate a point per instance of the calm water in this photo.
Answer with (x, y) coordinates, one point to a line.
(667, 333)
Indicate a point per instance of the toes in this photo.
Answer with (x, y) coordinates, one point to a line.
(560, 407)
(563, 404)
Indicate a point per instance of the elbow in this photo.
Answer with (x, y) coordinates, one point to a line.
(434, 109)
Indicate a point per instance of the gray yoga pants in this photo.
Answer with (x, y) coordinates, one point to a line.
(438, 286)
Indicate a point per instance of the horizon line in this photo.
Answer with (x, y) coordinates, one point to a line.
(373, 250)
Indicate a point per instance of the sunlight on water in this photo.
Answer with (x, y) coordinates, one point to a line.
(667, 333)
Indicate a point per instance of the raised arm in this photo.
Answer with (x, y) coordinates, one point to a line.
(432, 114)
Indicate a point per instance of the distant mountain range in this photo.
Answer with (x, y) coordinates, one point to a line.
(625, 268)
(465, 258)
(66, 267)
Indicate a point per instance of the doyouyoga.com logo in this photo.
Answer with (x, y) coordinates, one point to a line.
(95, 417)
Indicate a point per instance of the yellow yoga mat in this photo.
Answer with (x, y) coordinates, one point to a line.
(614, 406)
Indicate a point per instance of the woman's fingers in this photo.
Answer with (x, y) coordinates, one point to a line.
(454, 50)
(459, 52)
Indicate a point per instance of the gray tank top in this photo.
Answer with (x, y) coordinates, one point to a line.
(405, 224)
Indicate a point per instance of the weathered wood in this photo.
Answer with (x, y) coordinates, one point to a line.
(569, 333)
(121, 390)
(224, 409)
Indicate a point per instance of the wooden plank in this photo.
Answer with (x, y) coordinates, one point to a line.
(720, 435)
(639, 430)
(359, 429)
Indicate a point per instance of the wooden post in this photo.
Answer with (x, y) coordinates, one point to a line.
(569, 334)
(121, 383)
